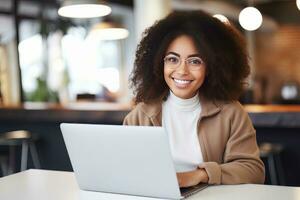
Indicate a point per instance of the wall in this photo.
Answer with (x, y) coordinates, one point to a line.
(278, 61)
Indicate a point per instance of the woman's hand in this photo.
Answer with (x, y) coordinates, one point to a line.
(191, 178)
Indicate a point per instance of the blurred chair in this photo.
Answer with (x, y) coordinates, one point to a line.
(271, 154)
(11, 140)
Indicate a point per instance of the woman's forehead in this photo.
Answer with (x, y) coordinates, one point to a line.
(183, 45)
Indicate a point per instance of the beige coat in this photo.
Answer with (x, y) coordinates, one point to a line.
(226, 136)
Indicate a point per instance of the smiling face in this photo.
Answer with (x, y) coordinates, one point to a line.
(186, 77)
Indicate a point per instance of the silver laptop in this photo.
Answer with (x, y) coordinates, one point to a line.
(131, 160)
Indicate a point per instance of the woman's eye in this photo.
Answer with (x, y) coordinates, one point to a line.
(172, 60)
(195, 61)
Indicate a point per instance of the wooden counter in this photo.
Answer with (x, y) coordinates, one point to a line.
(273, 123)
(286, 116)
(72, 112)
(43, 120)
(261, 115)
(272, 108)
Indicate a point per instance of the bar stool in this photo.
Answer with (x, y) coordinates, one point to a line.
(3, 165)
(272, 154)
(11, 140)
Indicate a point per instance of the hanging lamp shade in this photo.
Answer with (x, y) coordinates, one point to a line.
(108, 31)
(83, 9)
(250, 18)
(222, 18)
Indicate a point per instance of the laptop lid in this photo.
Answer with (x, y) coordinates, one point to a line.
(133, 160)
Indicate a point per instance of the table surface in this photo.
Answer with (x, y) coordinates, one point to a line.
(58, 185)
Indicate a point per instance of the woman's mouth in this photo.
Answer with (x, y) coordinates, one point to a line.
(181, 83)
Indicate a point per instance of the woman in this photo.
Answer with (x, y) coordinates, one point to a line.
(189, 73)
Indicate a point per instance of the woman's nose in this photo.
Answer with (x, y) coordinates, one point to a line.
(182, 68)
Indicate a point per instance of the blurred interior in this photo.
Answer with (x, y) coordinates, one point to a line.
(58, 59)
(56, 69)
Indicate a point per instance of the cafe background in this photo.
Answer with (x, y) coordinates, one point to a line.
(55, 69)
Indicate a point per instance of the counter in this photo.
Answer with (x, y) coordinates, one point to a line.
(273, 123)
(287, 116)
(84, 112)
(261, 115)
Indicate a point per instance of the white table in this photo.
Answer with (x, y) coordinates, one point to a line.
(58, 185)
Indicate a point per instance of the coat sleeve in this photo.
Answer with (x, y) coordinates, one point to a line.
(241, 161)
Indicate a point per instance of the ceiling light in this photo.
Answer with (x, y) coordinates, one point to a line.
(250, 18)
(83, 9)
(298, 4)
(108, 31)
(222, 18)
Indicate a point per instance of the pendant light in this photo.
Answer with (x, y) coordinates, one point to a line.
(250, 18)
(108, 31)
(83, 9)
(222, 18)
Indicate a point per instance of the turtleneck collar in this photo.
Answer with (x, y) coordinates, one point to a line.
(208, 108)
(184, 104)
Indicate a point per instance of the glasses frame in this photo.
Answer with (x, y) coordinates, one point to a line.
(186, 61)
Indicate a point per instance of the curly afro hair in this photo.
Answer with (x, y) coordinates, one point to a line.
(221, 46)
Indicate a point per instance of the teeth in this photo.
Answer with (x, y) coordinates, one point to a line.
(181, 81)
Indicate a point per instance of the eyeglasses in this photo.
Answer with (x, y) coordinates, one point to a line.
(193, 63)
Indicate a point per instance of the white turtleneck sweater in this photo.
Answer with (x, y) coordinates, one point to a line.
(179, 119)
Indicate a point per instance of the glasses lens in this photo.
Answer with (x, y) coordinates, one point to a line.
(171, 60)
(194, 61)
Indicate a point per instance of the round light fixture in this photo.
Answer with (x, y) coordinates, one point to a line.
(83, 9)
(298, 4)
(108, 31)
(250, 18)
(222, 18)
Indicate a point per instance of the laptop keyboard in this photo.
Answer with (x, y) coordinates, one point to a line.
(188, 191)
